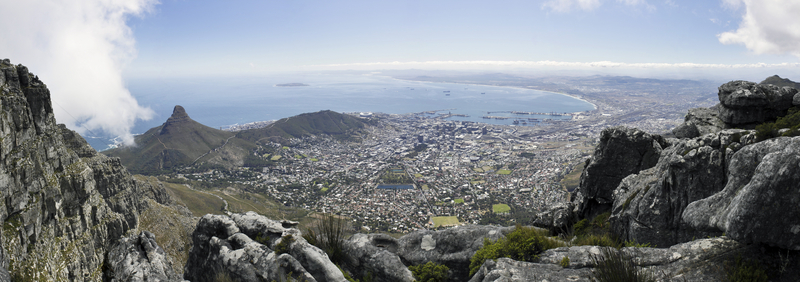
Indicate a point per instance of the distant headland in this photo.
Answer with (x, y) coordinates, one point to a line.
(295, 84)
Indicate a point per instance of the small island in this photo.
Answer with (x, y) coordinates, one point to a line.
(291, 84)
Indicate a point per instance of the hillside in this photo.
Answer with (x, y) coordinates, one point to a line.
(178, 142)
(781, 82)
(181, 141)
(331, 123)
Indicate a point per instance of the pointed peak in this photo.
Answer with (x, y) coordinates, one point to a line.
(179, 112)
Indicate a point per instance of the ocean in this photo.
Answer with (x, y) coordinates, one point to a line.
(223, 102)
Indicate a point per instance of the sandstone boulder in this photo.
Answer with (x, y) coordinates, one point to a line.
(139, 258)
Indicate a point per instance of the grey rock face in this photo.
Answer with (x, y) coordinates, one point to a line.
(556, 216)
(63, 204)
(622, 151)
(698, 260)
(699, 122)
(139, 258)
(746, 104)
(648, 206)
(759, 201)
(222, 246)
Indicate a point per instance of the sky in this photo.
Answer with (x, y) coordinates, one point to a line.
(87, 50)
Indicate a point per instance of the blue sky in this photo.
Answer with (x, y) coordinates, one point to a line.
(234, 36)
(88, 51)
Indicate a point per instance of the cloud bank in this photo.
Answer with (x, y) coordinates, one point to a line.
(78, 48)
(767, 27)
(600, 64)
(563, 6)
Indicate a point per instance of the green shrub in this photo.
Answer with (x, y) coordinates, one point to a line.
(430, 272)
(613, 266)
(329, 234)
(603, 240)
(790, 121)
(523, 244)
(745, 271)
(564, 262)
(283, 246)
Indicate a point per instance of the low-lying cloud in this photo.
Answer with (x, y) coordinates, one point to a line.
(767, 27)
(78, 48)
(599, 64)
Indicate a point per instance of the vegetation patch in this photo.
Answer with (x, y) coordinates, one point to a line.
(430, 272)
(522, 244)
(504, 172)
(573, 179)
(790, 122)
(459, 201)
(276, 157)
(283, 246)
(328, 234)
(199, 203)
(444, 221)
(501, 208)
(596, 232)
(741, 270)
(613, 266)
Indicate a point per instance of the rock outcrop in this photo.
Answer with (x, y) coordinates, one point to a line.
(621, 152)
(242, 247)
(386, 258)
(759, 202)
(63, 205)
(648, 206)
(139, 258)
(694, 261)
(746, 104)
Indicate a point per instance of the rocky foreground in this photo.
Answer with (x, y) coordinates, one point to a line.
(701, 198)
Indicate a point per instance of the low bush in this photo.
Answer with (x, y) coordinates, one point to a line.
(523, 244)
(564, 262)
(613, 266)
(430, 272)
(329, 234)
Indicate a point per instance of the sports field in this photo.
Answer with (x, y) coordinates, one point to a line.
(444, 220)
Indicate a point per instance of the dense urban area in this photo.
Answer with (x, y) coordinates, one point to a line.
(422, 170)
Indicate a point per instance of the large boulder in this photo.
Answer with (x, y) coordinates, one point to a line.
(622, 151)
(746, 104)
(759, 202)
(376, 255)
(648, 206)
(242, 247)
(453, 247)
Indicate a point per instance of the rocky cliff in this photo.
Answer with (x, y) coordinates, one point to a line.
(64, 207)
(713, 179)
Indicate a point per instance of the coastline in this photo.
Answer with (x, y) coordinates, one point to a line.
(594, 106)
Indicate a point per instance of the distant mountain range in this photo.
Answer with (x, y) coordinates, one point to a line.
(181, 141)
(778, 81)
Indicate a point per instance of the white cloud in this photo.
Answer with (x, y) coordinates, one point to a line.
(563, 6)
(767, 27)
(566, 5)
(599, 64)
(78, 48)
